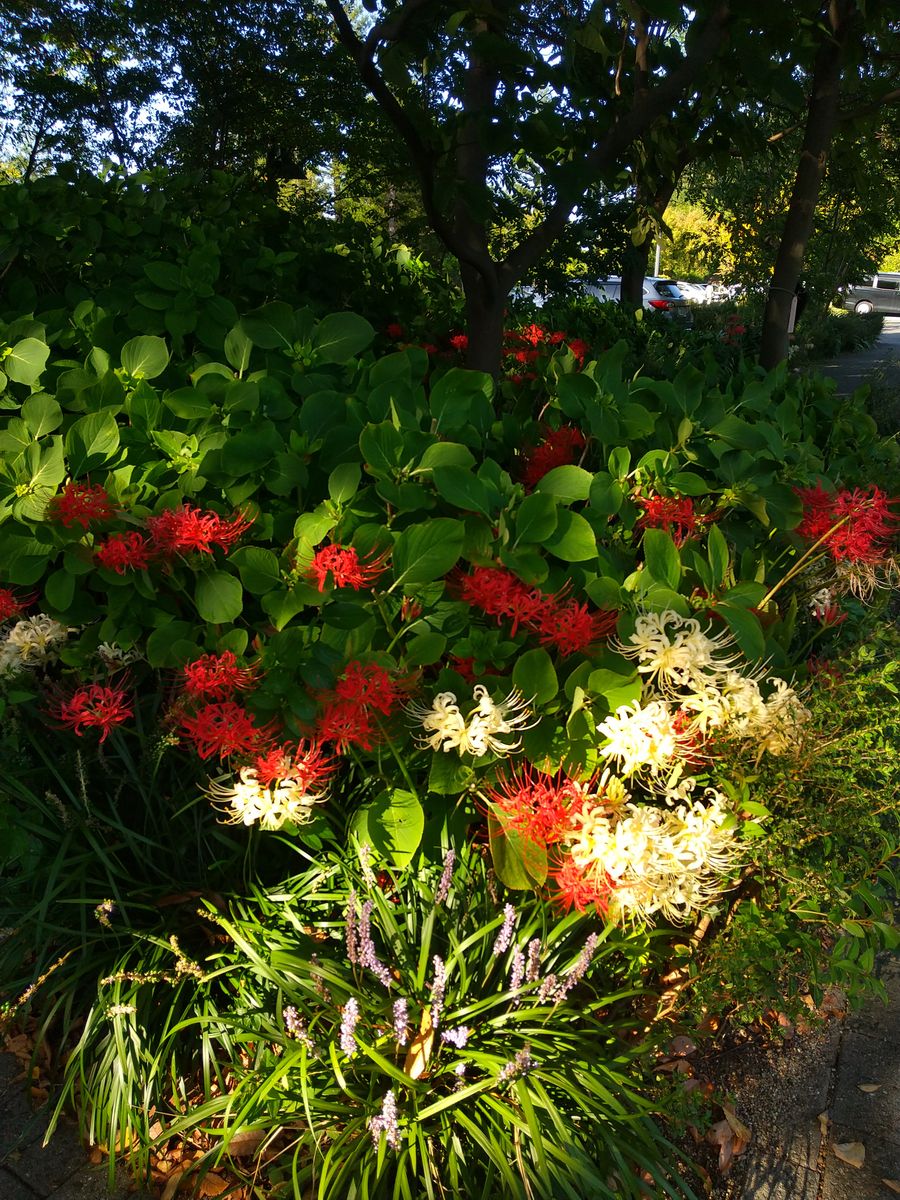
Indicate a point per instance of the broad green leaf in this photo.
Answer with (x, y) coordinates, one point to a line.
(343, 482)
(567, 484)
(163, 644)
(459, 487)
(219, 597)
(445, 454)
(258, 567)
(661, 557)
(424, 649)
(145, 357)
(746, 628)
(427, 552)
(520, 863)
(26, 361)
(382, 449)
(91, 442)
(60, 590)
(458, 396)
(392, 824)
(271, 327)
(238, 348)
(448, 776)
(536, 518)
(340, 336)
(164, 275)
(688, 483)
(41, 414)
(573, 539)
(606, 494)
(535, 677)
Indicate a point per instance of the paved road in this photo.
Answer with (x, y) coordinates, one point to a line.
(851, 371)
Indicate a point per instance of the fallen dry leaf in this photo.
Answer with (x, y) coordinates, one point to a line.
(172, 1186)
(823, 1123)
(739, 1128)
(893, 1184)
(852, 1153)
(681, 1046)
(246, 1143)
(869, 1088)
(420, 1047)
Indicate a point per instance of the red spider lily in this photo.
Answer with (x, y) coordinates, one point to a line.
(217, 676)
(536, 806)
(573, 889)
(394, 331)
(94, 707)
(369, 686)
(123, 552)
(828, 615)
(185, 529)
(555, 339)
(344, 565)
(224, 729)
(532, 334)
(580, 349)
(303, 763)
(864, 521)
(558, 448)
(568, 626)
(12, 605)
(346, 724)
(459, 341)
(674, 514)
(525, 356)
(79, 504)
(572, 628)
(464, 667)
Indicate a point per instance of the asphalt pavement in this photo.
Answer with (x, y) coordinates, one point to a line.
(850, 371)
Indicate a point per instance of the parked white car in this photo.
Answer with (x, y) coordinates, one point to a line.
(660, 295)
(694, 293)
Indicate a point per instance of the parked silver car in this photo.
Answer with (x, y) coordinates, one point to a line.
(660, 295)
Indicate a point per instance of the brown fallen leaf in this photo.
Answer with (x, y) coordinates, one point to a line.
(172, 1186)
(869, 1088)
(722, 1135)
(852, 1153)
(823, 1120)
(893, 1184)
(246, 1143)
(738, 1127)
(420, 1047)
(681, 1046)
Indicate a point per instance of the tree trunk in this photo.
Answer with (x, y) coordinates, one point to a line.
(820, 122)
(634, 268)
(485, 312)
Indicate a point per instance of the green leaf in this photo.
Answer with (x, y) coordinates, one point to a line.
(91, 442)
(445, 454)
(457, 396)
(448, 776)
(145, 357)
(164, 275)
(340, 336)
(343, 482)
(219, 597)
(382, 449)
(423, 553)
(536, 518)
(424, 649)
(567, 484)
(459, 487)
(258, 568)
(616, 689)
(661, 557)
(717, 553)
(606, 494)
(26, 361)
(60, 590)
(271, 327)
(573, 539)
(535, 677)
(520, 864)
(688, 483)
(163, 644)
(188, 403)
(392, 824)
(238, 348)
(746, 629)
(41, 414)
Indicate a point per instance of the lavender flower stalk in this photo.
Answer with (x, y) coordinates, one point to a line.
(517, 970)
(533, 968)
(504, 937)
(351, 933)
(349, 1019)
(438, 985)
(401, 1020)
(443, 889)
(576, 974)
(367, 954)
(295, 1027)
(456, 1037)
(386, 1123)
(520, 1065)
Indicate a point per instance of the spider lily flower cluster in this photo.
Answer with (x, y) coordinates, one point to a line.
(32, 642)
(485, 728)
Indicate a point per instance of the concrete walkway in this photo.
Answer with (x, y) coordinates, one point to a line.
(851, 371)
(834, 1086)
(28, 1171)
